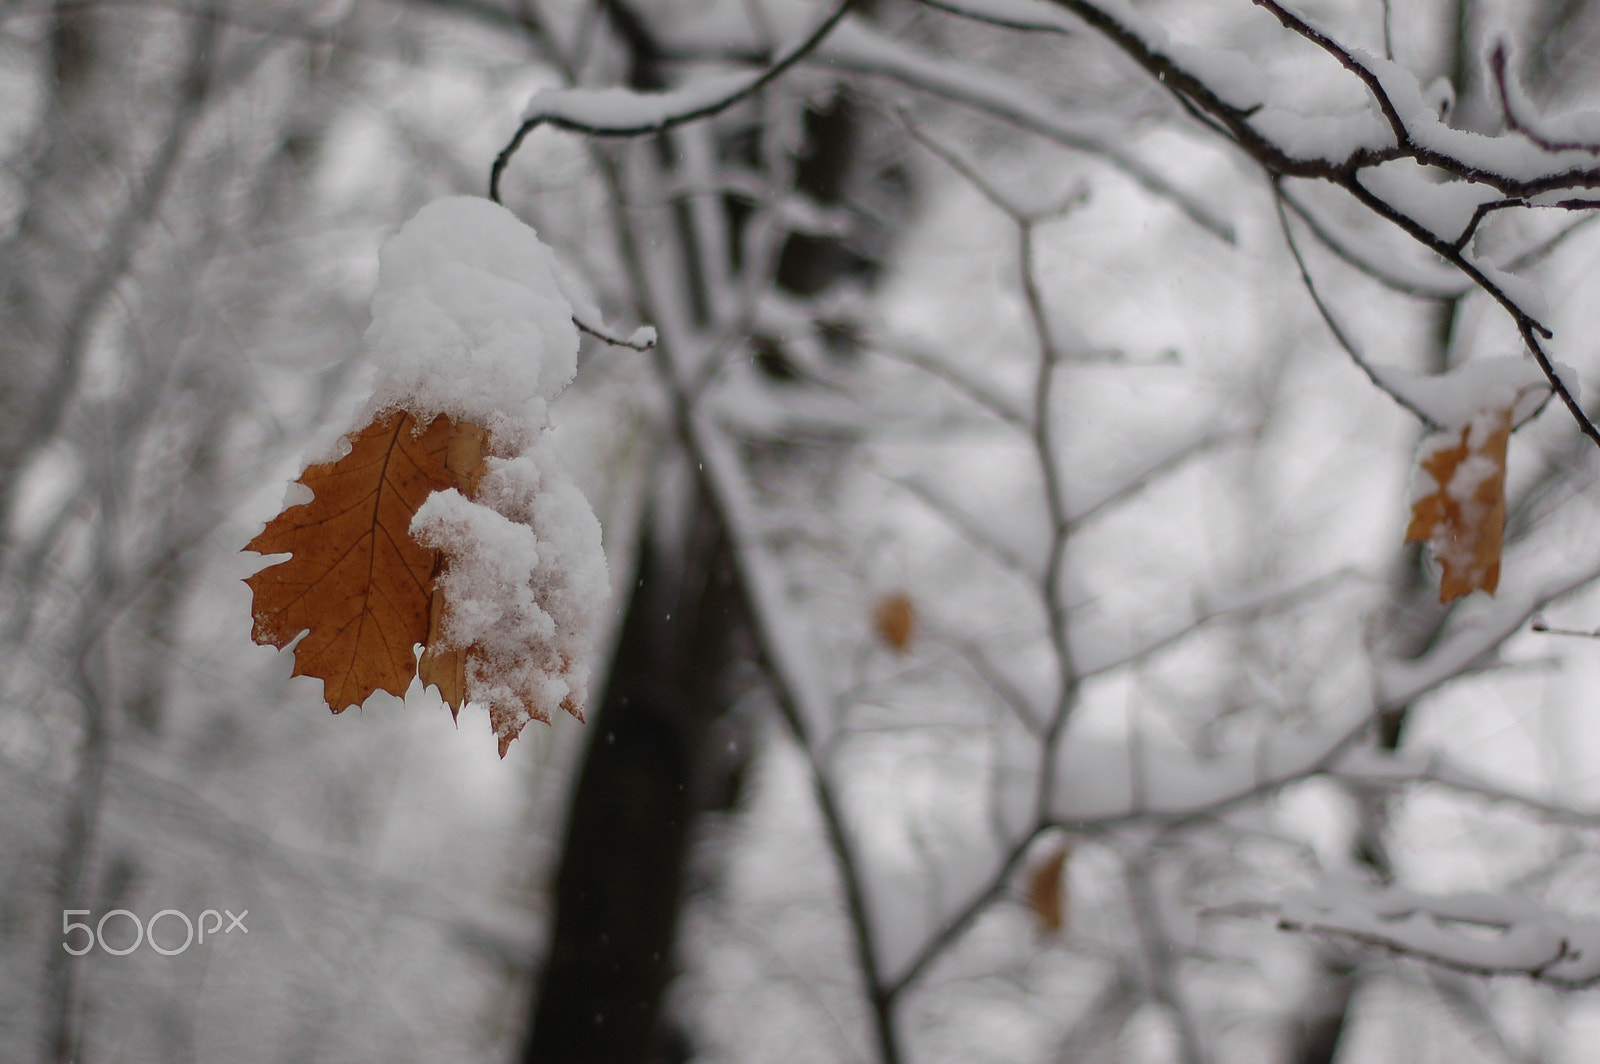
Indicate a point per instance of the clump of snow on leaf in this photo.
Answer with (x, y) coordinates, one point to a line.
(472, 319)
(526, 581)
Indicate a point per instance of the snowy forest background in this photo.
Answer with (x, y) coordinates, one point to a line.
(1014, 653)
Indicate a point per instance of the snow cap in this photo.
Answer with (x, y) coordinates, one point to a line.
(470, 318)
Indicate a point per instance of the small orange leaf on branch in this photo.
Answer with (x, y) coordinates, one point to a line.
(895, 618)
(1047, 890)
(1461, 509)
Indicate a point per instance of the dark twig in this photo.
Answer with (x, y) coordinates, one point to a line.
(666, 122)
(1346, 59)
(614, 341)
(1538, 624)
(1479, 213)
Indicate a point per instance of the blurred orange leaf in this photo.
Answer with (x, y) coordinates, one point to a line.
(1462, 515)
(1047, 890)
(895, 619)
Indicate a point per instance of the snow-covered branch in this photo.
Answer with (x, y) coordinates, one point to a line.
(1380, 158)
(1483, 934)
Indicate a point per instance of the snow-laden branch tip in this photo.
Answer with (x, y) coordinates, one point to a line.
(1369, 766)
(1484, 934)
(619, 112)
(1403, 127)
(641, 339)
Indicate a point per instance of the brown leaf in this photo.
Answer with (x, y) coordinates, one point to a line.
(895, 619)
(356, 583)
(1047, 890)
(1463, 518)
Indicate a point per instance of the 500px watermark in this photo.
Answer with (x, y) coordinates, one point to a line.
(96, 935)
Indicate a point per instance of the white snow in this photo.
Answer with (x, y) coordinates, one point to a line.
(472, 319)
(526, 584)
(1331, 137)
(1491, 932)
(1453, 399)
(1444, 208)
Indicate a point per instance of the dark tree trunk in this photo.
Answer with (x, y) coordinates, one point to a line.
(644, 779)
(654, 762)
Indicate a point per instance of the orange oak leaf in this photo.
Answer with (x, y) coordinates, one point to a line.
(895, 618)
(357, 583)
(1462, 516)
(1047, 891)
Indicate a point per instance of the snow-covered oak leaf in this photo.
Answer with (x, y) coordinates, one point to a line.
(466, 536)
(1460, 505)
(517, 590)
(895, 618)
(1047, 890)
(356, 582)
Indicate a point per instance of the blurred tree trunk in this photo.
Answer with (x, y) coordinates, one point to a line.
(656, 760)
(643, 782)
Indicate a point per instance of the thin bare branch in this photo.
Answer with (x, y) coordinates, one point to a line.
(692, 107)
(970, 529)
(1019, 704)
(1148, 474)
(971, 387)
(1000, 15)
(1346, 341)
(951, 931)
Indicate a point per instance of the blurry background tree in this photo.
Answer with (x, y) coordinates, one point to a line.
(1015, 657)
